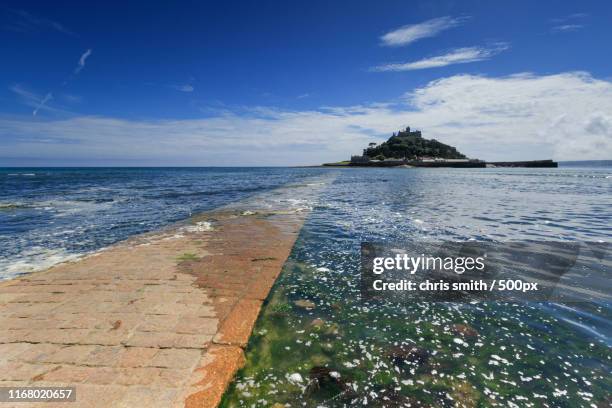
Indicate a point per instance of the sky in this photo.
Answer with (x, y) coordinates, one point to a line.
(258, 83)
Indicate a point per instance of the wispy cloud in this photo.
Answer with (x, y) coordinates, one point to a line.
(27, 23)
(573, 16)
(568, 27)
(569, 23)
(456, 56)
(517, 117)
(42, 103)
(38, 102)
(70, 98)
(82, 60)
(184, 87)
(304, 95)
(32, 99)
(413, 32)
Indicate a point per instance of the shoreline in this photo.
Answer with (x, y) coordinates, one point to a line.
(72, 258)
(48, 257)
(161, 318)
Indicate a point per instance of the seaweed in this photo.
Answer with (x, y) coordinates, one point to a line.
(187, 256)
(317, 344)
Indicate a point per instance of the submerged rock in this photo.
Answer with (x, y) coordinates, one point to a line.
(321, 375)
(392, 398)
(607, 402)
(465, 330)
(328, 381)
(332, 330)
(404, 354)
(317, 323)
(304, 304)
(465, 392)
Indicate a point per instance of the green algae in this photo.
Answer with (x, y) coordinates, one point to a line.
(504, 362)
(187, 256)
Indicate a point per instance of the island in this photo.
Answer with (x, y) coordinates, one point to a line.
(408, 148)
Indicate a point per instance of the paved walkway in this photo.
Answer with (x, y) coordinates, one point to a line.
(159, 320)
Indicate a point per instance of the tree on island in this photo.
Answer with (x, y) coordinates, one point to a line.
(410, 144)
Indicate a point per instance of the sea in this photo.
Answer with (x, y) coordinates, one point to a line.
(520, 354)
(51, 215)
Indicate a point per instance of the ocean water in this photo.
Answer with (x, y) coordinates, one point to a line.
(342, 351)
(345, 352)
(50, 215)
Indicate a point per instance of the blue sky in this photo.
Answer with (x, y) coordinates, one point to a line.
(278, 83)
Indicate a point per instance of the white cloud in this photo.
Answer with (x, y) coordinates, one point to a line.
(411, 33)
(520, 117)
(567, 27)
(456, 56)
(82, 60)
(565, 115)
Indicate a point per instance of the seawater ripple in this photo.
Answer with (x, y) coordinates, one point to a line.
(316, 344)
(49, 215)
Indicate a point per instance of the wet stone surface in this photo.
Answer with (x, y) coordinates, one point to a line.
(157, 321)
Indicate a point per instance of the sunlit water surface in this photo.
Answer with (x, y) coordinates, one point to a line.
(49, 215)
(317, 344)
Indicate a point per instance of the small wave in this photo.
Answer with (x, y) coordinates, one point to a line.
(64, 206)
(201, 226)
(34, 259)
(22, 174)
(69, 207)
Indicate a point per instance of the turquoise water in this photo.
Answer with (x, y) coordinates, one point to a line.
(340, 351)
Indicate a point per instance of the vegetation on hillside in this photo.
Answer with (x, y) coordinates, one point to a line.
(410, 145)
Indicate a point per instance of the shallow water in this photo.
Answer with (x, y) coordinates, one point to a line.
(339, 351)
